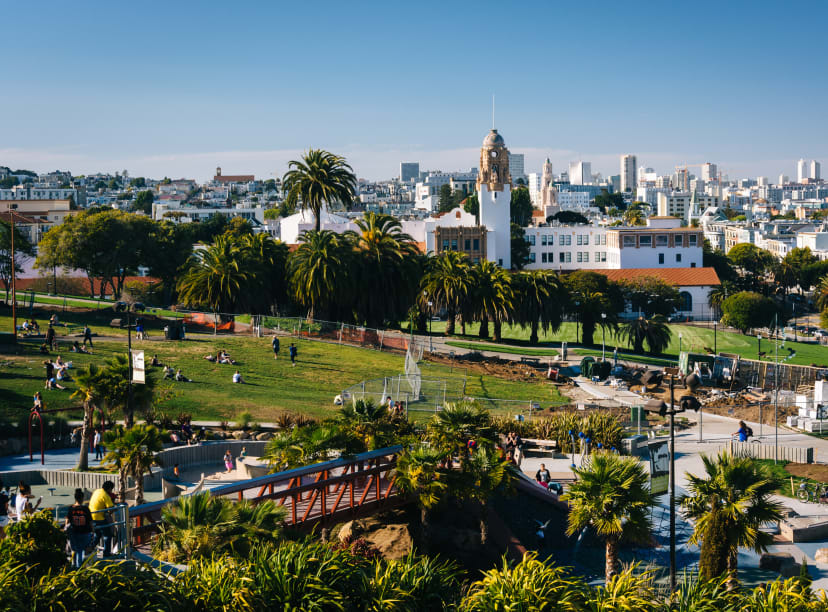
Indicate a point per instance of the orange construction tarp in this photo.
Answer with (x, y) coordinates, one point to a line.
(205, 320)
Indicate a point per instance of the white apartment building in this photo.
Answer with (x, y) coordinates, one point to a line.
(629, 180)
(807, 169)
(535, 188)
(160, 210)
(816, 241)
(649, 194)
(709, 172)
(684, 204)
(27, 192)
(580, 173)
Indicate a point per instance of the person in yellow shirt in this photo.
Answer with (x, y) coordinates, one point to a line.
(100, 505)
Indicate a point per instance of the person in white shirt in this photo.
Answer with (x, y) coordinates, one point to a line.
(22, 503)
(237, 378)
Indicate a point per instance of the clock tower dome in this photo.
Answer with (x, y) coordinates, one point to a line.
(494, 193)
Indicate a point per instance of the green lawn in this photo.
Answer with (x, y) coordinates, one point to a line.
(693, 338)
(323, 371)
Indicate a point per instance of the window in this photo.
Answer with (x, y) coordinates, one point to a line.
(543, 240)
(586, 256)
(661, 258)
(580, 257)
(543, 257)
(477, 244)
(692, 240)
(678, 257)
(531, 239)
(549, 240)
(454, 244)
(602, 256)
(531, 258)
(586, 239)
(645, 241)
(468, 244)
(692, 264)
(686, 302)
(662, 240)
(560, 257)
(568, 257)
(445, 244)
(679, 240)
(629, 241)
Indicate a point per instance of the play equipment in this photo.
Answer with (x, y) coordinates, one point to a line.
(37, 414)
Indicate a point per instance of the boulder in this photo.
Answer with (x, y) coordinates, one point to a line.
(264, 436)
(241, 435)
(777, 562)
(821, 555)
(393, 541)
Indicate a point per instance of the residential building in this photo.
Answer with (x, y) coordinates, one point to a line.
(232, 178)
(709, 172)
(629, 180)
(684, 204)
(34, 217)
(409, 172)
(516, 167)
(807, 169)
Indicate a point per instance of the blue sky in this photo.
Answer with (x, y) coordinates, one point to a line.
(176, 88)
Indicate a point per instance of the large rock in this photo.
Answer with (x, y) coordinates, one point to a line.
(394, 541)
(777, 562)
(264, 436)
(241, 435)
(821, 555)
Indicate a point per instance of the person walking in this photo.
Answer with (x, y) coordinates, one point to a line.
(79, 528)
(50, 371)
(292, 351)
(87, 335)
(50, 337)
(275, 344)
(101, 506)
(228, 461)
(96, 444)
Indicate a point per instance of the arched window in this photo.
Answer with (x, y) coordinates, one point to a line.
(686, 302)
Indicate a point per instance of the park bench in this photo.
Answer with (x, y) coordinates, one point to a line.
(116, 323)
(533, 361)
(541, 446)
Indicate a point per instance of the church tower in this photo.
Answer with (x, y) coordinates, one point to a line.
(494, 192)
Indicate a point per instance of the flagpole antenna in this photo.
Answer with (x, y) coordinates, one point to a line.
(493, 111)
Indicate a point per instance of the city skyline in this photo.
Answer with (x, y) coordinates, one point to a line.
(248, 90)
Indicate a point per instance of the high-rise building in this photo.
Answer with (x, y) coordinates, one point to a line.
(629, 180)
(580, 173)
(516, 166)
(409, 171)
(709, 172)
(807, 169)
(801, 170)
(762, 181)
(813, 170)
(783, 179)
(494, 188)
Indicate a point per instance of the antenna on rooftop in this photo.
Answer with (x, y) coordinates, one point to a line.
(493, 108)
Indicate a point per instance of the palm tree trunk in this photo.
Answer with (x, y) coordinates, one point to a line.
(497, 325)
(425, 530)
(215, 322)
(533, 334)
(450, 323)
(123, 473)
(611, 559)
(462, 325)
(484, 526)
(484, 327)
(733, 569)
(83, 459)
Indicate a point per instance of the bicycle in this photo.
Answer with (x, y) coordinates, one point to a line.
(813, 492)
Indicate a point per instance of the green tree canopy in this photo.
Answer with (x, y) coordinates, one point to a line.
(716, 259)
(446, 201)
(746, 310)
(519, 247)
(143, 202)
(752, 261)
(318, 179)
(520, 206)
(568, 217)
(651, 296)
(605, 200)
(590, 295)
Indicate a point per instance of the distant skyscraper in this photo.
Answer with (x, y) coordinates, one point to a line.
(409, 171)
(580, 173)
(783, 179)
(516, 166)
(628, 170)
(801, 170)
(813, 170)
(762, 181)
(709, 172)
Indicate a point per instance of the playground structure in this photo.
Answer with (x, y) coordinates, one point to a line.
(38, 416)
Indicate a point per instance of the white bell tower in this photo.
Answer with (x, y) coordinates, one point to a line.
(494, 192)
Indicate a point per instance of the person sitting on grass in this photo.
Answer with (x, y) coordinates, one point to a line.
(63, 374)
(237, 378)
(44, 349)
(179, 377)
(78, 348)
(52, 383)
(155, 363)
(209, 357)
(224, 357)
(168, 372)
(34, 327)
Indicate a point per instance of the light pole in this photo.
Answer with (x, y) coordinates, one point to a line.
(577, 303)
(679, 355)
(12, 213)
(603, 343)
(715, 346)
(759, 347)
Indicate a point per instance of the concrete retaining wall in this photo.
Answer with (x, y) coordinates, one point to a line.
(60, 478)
(761, 450)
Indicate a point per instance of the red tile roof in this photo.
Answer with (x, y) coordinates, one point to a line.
(682, 277)
(234, 178)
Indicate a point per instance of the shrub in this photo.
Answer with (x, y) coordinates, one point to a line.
(414, 583)
(35, 542)
(243, 420)
(218, 583)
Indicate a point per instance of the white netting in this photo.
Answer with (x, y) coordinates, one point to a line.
(412, 370)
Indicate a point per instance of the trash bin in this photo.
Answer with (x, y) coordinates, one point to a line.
(587, 365)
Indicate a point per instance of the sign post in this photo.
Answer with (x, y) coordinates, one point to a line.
(138, 370)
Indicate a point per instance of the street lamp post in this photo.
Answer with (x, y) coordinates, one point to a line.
(759, 347)
(603, 343)
(11, 212)
(715, 346)
(679, 348)
(577, 303)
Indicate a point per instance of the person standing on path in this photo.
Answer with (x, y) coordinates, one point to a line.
(228, 461)
(87, 335)
(79, 526)
(292, 352)
(101, 506)
(275, 344)
(50, 336)
(96, 444)
(50, 371)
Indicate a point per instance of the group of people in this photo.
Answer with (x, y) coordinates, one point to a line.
(56, 372)
(292, 350)
(222, 357)
(187, 436)
(30, 327)
(176, 375)
(513, 448)
(395, 409)
(83, 521)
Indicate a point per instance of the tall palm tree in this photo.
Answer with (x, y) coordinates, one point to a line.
(384, 266)
(821, 293)
(736, 491)
(611, 495)
(317, 271)
(484, 474)
(446, 284)
(634, 216)
(214, 277)
(132, 451)
(417, 475)
(89, 391)
(654, 331)
(539, 301)
(266, 261)
(590, 296)
(493, 297)
(319, 178)
(719, 294)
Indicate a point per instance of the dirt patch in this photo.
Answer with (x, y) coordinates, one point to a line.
(813, 471)
(493, 366)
